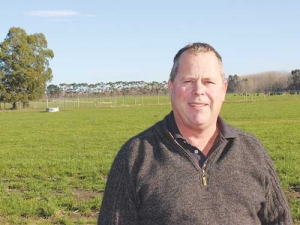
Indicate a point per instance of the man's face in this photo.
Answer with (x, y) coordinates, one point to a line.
(198, 91)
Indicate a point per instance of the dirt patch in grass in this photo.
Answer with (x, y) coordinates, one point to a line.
(83, 195)
(294, 192)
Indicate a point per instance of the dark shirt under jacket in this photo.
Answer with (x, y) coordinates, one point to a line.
(197, 153)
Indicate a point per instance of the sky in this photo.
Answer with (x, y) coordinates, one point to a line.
(132, 40)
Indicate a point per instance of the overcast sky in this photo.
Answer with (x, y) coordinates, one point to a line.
(117, 40)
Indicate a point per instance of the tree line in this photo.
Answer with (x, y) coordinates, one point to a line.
(265, 82)
(271, 82)
(25, 71)
(111, 89)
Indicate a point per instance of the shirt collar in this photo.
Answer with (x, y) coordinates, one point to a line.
(225, 130)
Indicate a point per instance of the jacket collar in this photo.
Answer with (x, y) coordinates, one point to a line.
(226, 131)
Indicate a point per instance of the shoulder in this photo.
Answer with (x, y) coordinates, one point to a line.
(249, 140)
(146, 140)
(237, 134)
(250, 146)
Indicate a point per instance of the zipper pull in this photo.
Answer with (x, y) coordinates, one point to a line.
(204, 180)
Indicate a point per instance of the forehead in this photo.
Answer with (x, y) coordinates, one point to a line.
(199, 62)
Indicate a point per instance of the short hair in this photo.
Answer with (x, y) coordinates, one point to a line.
(195, 48)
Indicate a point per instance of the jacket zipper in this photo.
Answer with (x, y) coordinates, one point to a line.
(204, 175)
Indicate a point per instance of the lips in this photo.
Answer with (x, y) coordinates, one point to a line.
(197, 104)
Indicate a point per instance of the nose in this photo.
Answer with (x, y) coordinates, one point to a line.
(198, 88)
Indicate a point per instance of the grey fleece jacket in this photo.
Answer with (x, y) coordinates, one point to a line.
(153, 180)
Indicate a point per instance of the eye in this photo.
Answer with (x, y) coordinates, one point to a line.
(209, 82)
(187, 81)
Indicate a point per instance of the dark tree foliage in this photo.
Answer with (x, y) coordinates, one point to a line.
(295, 85)
(233, 81)
(24, 66)
(53, 91)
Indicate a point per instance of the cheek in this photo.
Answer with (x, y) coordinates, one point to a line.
(181, 91)
(216, 94)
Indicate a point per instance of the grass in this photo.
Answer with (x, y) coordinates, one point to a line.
(54, 165)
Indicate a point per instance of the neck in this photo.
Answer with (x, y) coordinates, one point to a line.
(202, 139)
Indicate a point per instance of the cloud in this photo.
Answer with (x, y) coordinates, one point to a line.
(53, 13)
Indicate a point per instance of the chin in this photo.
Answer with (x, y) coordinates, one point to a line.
(199, 123)
(201, 120)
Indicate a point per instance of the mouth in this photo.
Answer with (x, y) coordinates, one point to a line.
(197, 104)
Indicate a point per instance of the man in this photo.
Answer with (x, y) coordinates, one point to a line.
(191, 167)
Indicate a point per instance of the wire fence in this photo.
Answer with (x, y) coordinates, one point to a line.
(90, 102)
(119, 101)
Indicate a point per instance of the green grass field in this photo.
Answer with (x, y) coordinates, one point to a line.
(54, 165)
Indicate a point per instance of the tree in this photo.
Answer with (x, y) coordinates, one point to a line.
(295, 79)
(24, 67)
(233, 81)
(53, 91)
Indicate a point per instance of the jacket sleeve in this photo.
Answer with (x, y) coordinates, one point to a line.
(118, 203)
(276, 208)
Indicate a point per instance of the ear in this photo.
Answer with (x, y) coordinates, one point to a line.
(225, 85)
(170, 86)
